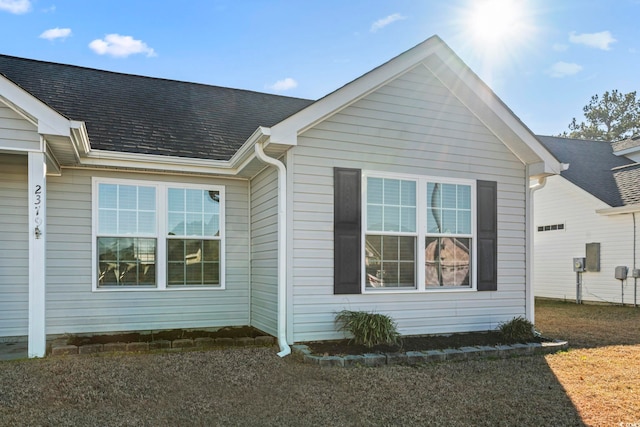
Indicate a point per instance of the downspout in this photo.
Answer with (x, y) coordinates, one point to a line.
(530, 298)
(282, 247)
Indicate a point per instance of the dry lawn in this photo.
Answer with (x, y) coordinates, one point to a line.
(601, 373)
(595, 384)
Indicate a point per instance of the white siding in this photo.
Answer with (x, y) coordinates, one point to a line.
(71, 305)
(264, 251)
(14, 246)
(15, 132)
(411, 125)
(561, 202)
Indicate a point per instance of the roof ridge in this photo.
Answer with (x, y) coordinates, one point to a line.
(82, 67)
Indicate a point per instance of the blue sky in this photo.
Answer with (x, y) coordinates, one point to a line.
(550, 59)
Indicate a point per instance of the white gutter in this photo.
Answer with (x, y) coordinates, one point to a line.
(282, 247)
(529, 295)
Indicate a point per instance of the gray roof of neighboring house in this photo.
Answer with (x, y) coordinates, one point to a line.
(146, 115)
(632, 142)
(594, 168)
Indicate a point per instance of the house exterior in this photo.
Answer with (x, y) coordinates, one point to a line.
(589, 210)
(133, 203)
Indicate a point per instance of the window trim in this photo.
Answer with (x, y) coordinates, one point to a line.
(162, 189)
(420, 234)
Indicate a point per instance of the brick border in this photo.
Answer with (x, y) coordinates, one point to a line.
(430, 356)
(60, 348)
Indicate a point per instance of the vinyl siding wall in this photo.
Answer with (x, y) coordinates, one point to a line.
(16, 132)
(73, 308)
(412, 125)
(264, 251)
(561, 202)
(14, 246)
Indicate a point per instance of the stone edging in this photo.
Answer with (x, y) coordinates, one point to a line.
(62, 349)
(421, 357)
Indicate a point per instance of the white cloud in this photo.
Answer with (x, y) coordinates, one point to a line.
(563, 69)
(15, 6)
(381, 23)
(600, 40)
(284, 84)
(559, 47)
(56, 33)
(120, 46)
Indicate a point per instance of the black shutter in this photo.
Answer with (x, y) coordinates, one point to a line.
(347, 225)
(487, 215)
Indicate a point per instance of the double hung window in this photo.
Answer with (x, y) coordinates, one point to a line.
(158, 235)
(418, 221)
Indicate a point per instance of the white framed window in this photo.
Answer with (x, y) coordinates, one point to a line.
(156, 235)
(413, 221)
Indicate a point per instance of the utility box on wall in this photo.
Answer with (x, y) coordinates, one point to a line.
(593, 257)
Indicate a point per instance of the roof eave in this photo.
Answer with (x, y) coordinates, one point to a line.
(619, 210)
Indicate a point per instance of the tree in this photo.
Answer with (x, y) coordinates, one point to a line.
(612, 117)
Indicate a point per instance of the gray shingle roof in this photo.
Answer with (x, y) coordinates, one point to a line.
(626, 143)
(145, 115)
(595, 169)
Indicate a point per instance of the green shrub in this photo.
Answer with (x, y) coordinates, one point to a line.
(517, 329)
(369, 329)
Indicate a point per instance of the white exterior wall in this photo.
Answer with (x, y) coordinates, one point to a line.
(411, 126)
(72, 307)
(264, 251)
(14, 246)
(17, 133)
(561, 202)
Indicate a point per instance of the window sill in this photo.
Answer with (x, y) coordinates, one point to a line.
(171, 289)
(380, 291)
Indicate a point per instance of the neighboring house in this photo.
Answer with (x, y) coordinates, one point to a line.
(136, 203)
(595, 201)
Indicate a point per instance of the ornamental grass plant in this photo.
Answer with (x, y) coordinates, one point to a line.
(369, 329)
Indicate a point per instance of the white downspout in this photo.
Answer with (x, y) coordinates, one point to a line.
(282, 247)
(530, 298)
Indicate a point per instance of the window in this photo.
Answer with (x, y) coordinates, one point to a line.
(158, 236)
(553, 227)
(400, 213)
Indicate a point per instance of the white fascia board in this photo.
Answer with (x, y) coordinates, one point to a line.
(619, 210)
(470, 90)
(287, 131)
(99, 158)
(627, 151)
(49, 121)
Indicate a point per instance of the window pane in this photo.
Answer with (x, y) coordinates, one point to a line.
(391, 218)
(434, 224)
(449, 196)
(391, 192)
(193, 262)
(127, 222)
(107, 196)
(147, 223)
(447, 261)
(147, 198)
(374, 218)
(212, 225)
(464, 197)
(390, 261)
(464, 222)
(408, 193)
(128, 261)
(107, 221)
(212, 201)
(194, 224)
(408, 220)
(176, 224)
(449, 221)
(127, 197)
(374, 190)
(194, 200)
(176, 200)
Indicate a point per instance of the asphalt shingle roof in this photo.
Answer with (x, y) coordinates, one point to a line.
(146, 115)
(595, 169)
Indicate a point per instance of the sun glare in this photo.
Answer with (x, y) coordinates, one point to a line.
(496, 20)
(497, 29)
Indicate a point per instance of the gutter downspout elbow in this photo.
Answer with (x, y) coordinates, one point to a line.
(282, 247)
